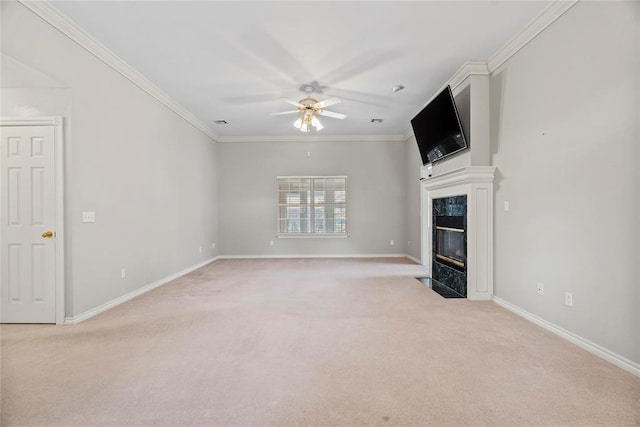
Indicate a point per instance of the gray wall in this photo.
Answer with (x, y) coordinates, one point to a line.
(150, 176)
(565, 140)
(412, 217)
(376, 194)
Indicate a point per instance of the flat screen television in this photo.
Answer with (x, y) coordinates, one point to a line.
(438, 129)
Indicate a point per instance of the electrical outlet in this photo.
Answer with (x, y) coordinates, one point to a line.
(540, 289)
(507, 206)
(213, 246)
(391, 242)
(271, 243)
(200, 249)
(123, 273)
(88, 217)
(568, 299)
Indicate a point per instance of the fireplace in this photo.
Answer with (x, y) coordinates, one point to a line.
(441, 197)
(449, 261)
(450, 241)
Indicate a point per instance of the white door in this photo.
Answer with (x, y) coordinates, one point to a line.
(28, 217)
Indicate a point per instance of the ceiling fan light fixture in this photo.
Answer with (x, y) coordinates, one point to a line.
(316, 123)
(308, 109)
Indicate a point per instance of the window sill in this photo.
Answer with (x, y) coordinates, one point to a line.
(313, 236)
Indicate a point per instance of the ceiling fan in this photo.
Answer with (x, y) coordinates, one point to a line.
(308, 108)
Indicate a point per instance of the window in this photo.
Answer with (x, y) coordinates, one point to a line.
(312, 206)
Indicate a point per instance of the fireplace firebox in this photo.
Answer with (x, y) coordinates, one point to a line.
(449, 260)
(450, 241)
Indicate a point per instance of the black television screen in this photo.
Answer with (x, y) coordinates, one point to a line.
(437, 128)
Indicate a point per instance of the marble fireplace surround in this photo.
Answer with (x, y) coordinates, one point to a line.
(476, 182)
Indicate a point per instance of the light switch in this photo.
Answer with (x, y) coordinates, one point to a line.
(88, 217)
(506, 206)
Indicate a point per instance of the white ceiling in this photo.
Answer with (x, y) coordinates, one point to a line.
(234, 60)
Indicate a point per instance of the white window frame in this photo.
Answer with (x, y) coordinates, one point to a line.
(312, 234)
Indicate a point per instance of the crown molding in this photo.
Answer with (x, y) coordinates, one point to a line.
(467, 69)
(59, 21)
(408, 134)
(538, 24)
(51, 15)
(314, 138)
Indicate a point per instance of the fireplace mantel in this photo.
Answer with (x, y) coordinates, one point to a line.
(476, 182)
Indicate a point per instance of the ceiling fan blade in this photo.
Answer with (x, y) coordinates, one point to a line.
(285, 112)
(374, 99)
(292, 102)
(327, 102)
(359, 65)
(272, 57)
(332, 114)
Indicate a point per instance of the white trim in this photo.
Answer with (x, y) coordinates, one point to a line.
(539, 23)
(312, 205)
(312, 176)
(416, 260)
(464, 175)
(67, 27)
(585, 344)
(31, 121)
(58, 143)
(59, 21)
(314, 138)
(467, 70)
(313, 236)
(60, 216)
(476, 182)
(408, 134)
(313, 256)
(126, 297)
(549, 14)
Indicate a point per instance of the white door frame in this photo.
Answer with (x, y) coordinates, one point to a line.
(57, 123)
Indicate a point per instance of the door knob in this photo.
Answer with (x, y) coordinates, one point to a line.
(47, 234)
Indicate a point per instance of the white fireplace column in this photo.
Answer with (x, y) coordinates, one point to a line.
(476, 182)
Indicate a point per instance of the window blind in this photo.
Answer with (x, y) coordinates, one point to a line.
(312, 206)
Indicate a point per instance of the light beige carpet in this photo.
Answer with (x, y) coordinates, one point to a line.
(323, 342)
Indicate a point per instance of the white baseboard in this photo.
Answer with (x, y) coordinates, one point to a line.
(126, 297)
(591, 347)
(314, 256)
(414, 259)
